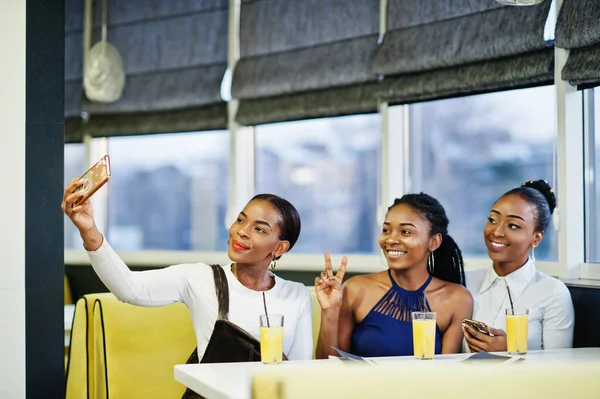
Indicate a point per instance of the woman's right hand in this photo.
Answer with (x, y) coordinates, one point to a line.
(328, 286)
(82, 215)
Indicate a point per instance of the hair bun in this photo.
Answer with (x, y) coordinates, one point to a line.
(547, 191)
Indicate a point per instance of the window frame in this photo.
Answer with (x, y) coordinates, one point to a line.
(590, 177)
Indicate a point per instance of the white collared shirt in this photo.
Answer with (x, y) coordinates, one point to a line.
(551, 315)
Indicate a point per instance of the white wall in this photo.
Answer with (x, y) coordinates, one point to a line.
(12, 198)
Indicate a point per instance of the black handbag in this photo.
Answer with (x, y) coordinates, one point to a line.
(228, 343)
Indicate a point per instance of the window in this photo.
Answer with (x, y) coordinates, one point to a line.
(168, 192)
(592, 172)
(327, 168)
(75, 165)
(468, 151)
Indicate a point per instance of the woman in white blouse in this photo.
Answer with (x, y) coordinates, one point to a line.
(265, 229)
(516, 225)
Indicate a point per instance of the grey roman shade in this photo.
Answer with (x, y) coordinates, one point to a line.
(175, 55)
(449, 48)
(305, 59)
(578, 30)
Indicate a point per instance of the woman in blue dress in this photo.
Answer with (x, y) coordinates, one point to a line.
(370, 315)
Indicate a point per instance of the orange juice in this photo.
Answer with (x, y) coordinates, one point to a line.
(424, 338)
(271, 344)
(517, 327)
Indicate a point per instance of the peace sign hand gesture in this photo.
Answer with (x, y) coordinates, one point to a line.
(328, 287)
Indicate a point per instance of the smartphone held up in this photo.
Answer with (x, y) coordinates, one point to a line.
(95, 177)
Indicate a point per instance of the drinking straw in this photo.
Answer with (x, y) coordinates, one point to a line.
(509, 297)
(265, 305)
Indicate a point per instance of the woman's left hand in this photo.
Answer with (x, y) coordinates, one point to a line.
(478, 341)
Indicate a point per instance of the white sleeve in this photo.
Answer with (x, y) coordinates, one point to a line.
(559, 320)
(302, 347)
(145, 288)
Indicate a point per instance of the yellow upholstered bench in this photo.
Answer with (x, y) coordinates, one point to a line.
(124, 351)
(136, 348)
(79, 379)
(121, 350)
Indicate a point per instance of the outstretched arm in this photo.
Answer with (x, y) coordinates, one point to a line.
(145, 288)
(148, 288)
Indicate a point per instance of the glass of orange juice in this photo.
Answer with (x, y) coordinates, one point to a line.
(517, 327)
(423, 324)
(271, 338)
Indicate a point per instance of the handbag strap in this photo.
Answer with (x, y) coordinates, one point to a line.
(222, 290)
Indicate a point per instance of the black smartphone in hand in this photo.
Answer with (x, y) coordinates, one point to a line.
(477, 325)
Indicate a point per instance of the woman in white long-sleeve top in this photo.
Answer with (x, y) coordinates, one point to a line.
(515, 226)
(265, 229)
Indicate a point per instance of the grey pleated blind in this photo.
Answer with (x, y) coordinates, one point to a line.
(303, 59)
(446, 48)
(578, 29)
(175, 55)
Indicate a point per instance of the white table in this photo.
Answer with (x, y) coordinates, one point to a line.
(233, 380)
(578, 355)
(229, 380)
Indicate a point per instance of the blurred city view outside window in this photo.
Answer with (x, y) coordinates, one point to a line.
(468, 151)
(168, 192)
(75, 165)
(329, 169)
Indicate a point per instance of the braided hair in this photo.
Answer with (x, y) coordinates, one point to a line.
(540, 195)
(447, 262)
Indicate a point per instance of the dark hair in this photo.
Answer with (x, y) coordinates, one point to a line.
(289, 225)
(539, 194)
(447, 259)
